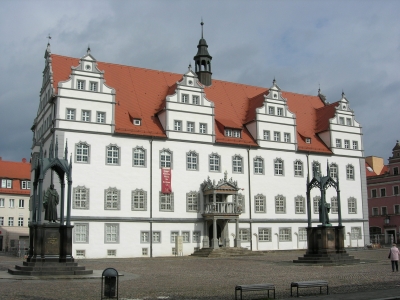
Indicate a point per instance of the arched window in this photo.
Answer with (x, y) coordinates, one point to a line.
(278, 167)
(139, 157)
(258, 165)
(350, 172)
(165, 158)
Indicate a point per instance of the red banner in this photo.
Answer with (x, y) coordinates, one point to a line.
(166, 180)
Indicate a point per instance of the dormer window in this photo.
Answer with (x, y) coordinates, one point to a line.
(341, 120)
(232, 132)
(195, 100)
(308, 140)
(279, 111)
(93, 86)
(275, 96)
(185, 98)
(137, 122)
(348, 121)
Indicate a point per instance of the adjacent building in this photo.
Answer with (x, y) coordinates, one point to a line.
(157, 155)
(14, 204)
(383, 197)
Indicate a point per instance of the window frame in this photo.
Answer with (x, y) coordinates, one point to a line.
(285, 234)
(298, 168)
(203, 128)
(277, 136)
(352, 205)
(350, 174)
(195, 100)
(138, 200)
(258, 165)
(113, 160)
(302, 234)
(190, 127)
(166, 202)
(192, 161)
(85, 115)
(279, 167)
(260, 204)
(164, 162)
(139, 157)
(177, 125)
(84, 233)
(280, 204)
(244, 234)
(79, 157)
(81, 190)
(114, 193)
(382, 192)
(184, 98)
(100, 117)
(192, 201)
(286, 137)
(70, 114)
(334, 205)
(338, 143)
(214, 162)
(299, 204)
(116, 233)
(267, 135)
(237, 164)
(316, 203)
(93, 86)
(264, 234)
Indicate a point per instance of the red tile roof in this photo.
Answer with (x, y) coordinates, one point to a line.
(16, 171)
(141, 93)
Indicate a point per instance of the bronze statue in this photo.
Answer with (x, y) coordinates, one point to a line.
(50, 203)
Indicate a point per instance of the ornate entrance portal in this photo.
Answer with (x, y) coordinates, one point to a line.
(221, 204)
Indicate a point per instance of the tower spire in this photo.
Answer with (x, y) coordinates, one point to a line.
(203, 60)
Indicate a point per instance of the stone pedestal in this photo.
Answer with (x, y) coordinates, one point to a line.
(50, 252)
(325, 245)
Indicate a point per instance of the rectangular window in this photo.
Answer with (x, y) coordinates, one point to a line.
(397, 209)
(195, 100)
(334, 205)
(203, 128)
(228, 132)
(186, 236)
(299, 205)
(338, 143)
(25, 185)
(86, 115)
(277, 136)
(237, 164)
(156, 236)
(81, 233)
(139, 155)
(244, 235)
(80, 253)
(280, 205)
(285, 234)
(101, 117)
(93, 86)
(279, 111)
(266, 135)
(286, 137)
(112, 253)
(259, 204)
(356, 233)
(373, 193)
(139, 200)
(271, 110)
(177, 125)
(21, 203)
(383, 210)
(80, 85)
(20, 221)
(396, 190)
(383, 192)
(2, 202)
(355, 145)
(10, 221)
(185, 98)
(214, 162)
(352, 205)
(112, 155)
(145, 251)
(111, 233)
(190, 126)
(174, 234)
(144, 237)
(70, 114)
(346, 144)
(302, 234)
(341, 121)
(166, 202)
(395, 171)
(264, 234)
(348, 121)
(11, 201)
(375, 211)
(258, 166)
(196, 237)
(278, 167)
(316, 201)
(192, 202)
(1, 221)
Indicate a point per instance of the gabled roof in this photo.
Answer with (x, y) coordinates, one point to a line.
(141, 93)
(16, 171)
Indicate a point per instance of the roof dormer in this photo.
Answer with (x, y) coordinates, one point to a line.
(88, 63)
(190, 79)
(275, 92)
(343, 104)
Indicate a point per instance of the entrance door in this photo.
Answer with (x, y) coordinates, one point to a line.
(391, 236)
(211, 232)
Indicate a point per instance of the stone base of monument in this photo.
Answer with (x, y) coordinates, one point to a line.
(325, 245)
(50, 252)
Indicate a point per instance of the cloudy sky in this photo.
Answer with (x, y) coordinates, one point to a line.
(352, 46)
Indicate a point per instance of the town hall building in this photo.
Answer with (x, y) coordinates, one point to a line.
(158, 155)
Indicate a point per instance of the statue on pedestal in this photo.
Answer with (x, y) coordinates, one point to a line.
(50, 202)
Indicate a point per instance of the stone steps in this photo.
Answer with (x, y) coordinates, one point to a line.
(49, 268)
(327, 258)
(225, 252)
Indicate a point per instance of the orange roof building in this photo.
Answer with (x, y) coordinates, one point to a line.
(14, 205)
(145, 143)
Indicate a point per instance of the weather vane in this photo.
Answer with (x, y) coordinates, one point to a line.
(49, 38)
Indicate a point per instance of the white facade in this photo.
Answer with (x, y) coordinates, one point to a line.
(110, 169)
